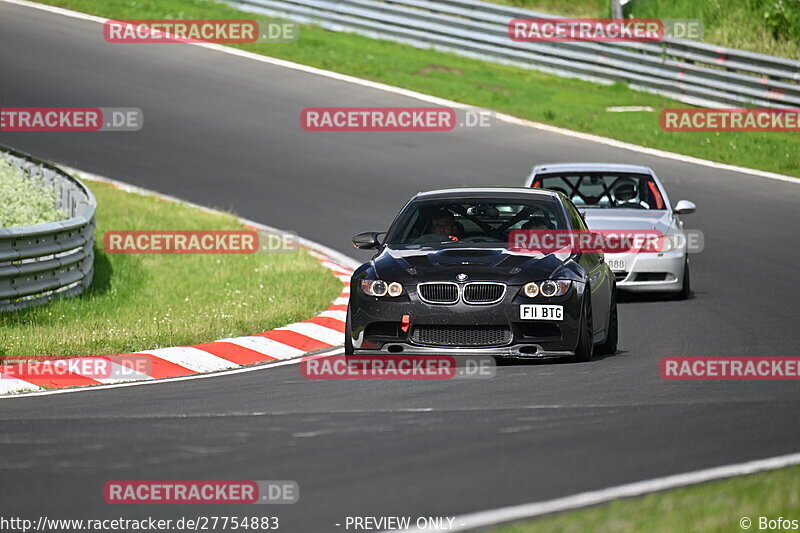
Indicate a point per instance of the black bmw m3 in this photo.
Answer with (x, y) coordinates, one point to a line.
(445, 280)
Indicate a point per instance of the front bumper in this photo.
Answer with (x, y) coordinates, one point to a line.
(377, 325)
(516, 351)
(649, 272)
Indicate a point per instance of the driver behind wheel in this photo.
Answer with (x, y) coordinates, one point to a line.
(537, 222)
(444, 224)
(625, 192)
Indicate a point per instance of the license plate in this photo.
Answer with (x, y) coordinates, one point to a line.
(617, 265)
(541, 312)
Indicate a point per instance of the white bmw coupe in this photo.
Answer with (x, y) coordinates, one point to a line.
(627, 197)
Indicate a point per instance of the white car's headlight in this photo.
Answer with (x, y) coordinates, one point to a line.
(671, 242)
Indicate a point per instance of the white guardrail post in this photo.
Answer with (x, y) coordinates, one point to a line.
(616, 9)
(41, 262)
(689, 71)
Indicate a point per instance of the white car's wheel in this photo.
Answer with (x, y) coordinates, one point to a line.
(686, 289)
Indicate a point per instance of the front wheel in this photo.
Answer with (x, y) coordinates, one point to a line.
(686, 289)
(585, 348)
(609, 346)
(348, 335)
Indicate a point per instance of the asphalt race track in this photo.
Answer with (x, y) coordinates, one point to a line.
(224, 131)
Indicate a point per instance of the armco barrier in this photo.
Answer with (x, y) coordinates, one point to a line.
(38, 263)
(689, 71)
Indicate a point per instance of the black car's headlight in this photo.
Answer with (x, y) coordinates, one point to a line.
(377, 287)
(549, 288)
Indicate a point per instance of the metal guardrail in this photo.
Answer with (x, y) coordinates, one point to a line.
(41, 262)
(689, 71)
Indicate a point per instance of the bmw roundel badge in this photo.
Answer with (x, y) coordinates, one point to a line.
(461, 277)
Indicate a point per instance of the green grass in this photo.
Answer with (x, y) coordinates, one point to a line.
(24, 201)
(139, 302)
(524, 93)
(709, 508)
(765, 26)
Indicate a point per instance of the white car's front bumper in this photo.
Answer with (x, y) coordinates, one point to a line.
(649, 272)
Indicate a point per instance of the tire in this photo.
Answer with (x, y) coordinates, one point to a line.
(609, 346)
(348, 335)
(686, 289)
(585, 348)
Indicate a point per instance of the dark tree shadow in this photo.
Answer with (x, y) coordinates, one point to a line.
(101, 282)
(624, 297)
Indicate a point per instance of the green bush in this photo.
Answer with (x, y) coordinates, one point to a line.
(782, 18)
(25, 202)
(765, 26)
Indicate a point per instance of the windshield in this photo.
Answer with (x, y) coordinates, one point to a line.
(470, 222)
(605, 189)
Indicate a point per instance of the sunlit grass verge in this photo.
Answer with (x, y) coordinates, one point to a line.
(139, 302)
(714, 507)
(524, 93)
(24, 202)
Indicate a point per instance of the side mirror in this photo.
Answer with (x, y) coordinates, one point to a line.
(367, 240)
(685, 207)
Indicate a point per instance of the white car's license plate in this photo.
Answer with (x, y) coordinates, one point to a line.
(541, 312)
(617, 265)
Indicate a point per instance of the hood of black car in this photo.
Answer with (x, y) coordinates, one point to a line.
(479, 264)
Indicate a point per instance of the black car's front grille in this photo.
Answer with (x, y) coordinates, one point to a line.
(461, 335)
(483, 293)
(438, 293)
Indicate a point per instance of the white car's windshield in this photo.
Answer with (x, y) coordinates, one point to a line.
(605, 189)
